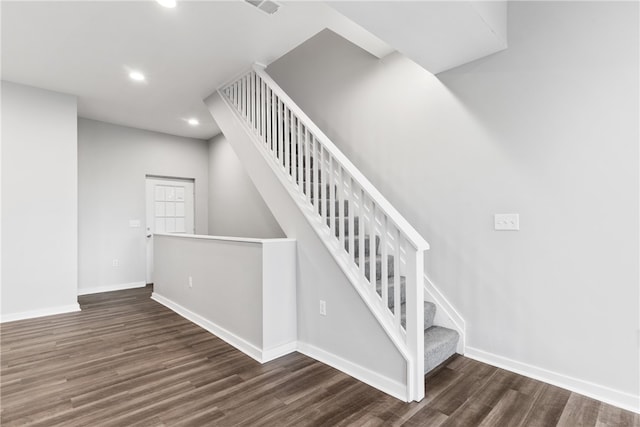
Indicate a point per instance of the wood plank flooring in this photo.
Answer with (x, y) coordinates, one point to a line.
(126, 360)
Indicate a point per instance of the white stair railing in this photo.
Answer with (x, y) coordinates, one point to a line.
(346, 210)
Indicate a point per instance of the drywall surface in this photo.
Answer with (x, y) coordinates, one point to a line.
(39, 202)
(242, 290)
(113, 162)
(235, 205)
(226, 281)
(548, 129)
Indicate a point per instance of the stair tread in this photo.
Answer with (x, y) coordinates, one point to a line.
(429, 314)
(439, 344)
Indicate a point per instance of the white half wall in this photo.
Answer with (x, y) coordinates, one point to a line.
(242, 290)
(235, 205)
(549, 129)
(39, 202)
(113, 162)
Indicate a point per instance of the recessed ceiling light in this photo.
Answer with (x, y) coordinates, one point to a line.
(193, 122)
(167, 3)
(137, 76)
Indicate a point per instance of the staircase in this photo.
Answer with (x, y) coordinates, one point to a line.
(439, 342)
(375, 247)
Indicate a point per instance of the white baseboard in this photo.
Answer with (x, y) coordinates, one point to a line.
(375, 380)
(604, 394)
(279, 351)
(229, 337)
(111, 288)
(40, 313)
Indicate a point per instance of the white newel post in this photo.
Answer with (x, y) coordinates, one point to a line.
(415, 322)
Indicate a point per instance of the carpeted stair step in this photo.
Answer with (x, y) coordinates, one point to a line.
(429, 314)
(367, 271)
(356, 244)
(439, 344)
(312, 192)
(391, 290)
(345, 222)
(336, 203)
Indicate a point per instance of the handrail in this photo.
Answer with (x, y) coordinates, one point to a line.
(236, 239)
(416, 240)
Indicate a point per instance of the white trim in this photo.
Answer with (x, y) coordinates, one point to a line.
(224, 238)
(375, 380)
(61, 309)
(111, 288)
(279, 351)
(229, 337)
(602, 393)
(446, 314)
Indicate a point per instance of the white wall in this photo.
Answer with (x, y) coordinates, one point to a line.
(39, 202)
(548, 129)
(235, 205)
(113, 162)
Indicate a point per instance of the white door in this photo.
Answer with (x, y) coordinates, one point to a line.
(170, 209)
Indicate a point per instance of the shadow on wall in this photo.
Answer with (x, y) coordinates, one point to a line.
(235, 205)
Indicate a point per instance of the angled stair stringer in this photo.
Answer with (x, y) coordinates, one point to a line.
(349, 337)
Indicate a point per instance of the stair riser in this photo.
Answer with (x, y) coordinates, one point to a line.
(439, 344)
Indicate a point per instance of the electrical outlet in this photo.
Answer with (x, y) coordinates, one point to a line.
(506, 222)
(115, 262)
(190, 282)
(323, 307)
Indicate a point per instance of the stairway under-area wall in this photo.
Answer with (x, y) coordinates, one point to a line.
(349, 237)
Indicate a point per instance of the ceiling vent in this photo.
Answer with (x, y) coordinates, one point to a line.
(267, 6)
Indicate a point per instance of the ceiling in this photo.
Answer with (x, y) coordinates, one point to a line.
(438, 35)
(86, 48)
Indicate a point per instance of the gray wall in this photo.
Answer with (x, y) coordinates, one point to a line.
(235, 205)
(113, 162)
(39, 201)
(226, 282)
(548, 129)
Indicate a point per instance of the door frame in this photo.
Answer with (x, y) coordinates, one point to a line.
(148, 229)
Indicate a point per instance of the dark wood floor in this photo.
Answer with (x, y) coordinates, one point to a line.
(127, 361)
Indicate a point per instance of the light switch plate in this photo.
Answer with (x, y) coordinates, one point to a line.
(134, 223)
(509, 222)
